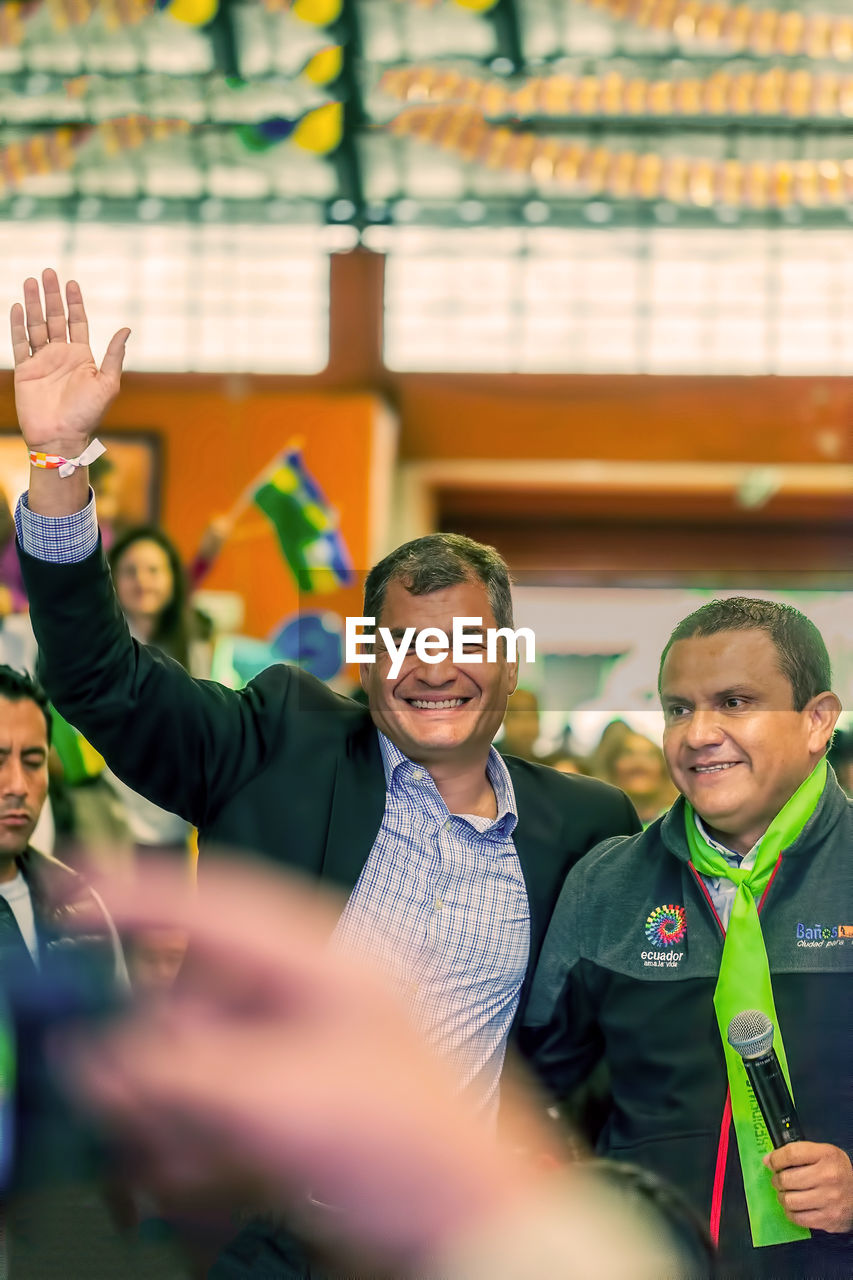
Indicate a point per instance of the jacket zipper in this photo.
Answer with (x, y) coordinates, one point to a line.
(726, 1124)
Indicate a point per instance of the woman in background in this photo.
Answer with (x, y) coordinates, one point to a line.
(150, 583)
(638, 768)
(109, 817)
(151, 588)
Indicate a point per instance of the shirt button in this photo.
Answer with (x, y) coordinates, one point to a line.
(438, 904)
(445, 826)
(418, 775)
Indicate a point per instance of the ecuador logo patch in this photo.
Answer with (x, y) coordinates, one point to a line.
(666, 926)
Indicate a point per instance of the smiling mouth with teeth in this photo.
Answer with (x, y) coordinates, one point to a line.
(715, 768)
(442, 704)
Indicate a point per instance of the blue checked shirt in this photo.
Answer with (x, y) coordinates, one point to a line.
(60, 539)
(442, 906)
(441, 903)
(721, 889)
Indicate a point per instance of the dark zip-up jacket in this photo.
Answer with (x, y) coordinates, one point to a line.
(58, 895)
(605, 989)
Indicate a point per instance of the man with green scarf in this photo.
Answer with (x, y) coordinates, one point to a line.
(740, 897)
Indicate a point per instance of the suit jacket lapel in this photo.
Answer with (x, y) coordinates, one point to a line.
(358, 806)
(535, 840)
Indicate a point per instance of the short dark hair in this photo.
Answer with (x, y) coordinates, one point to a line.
(441, 560)
(16, 686)
(802, 654)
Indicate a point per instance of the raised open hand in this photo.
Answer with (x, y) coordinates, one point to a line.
(60, 393)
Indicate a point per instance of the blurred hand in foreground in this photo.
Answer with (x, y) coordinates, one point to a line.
(280, 1068)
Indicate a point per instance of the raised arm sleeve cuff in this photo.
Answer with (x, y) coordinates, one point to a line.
(57, 539)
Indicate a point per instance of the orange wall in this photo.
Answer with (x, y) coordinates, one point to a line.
(703, 419)
(217, 434)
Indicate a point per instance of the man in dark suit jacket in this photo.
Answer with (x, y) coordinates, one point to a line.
(453, 858)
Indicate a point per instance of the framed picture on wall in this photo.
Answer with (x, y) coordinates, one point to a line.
(126, 479)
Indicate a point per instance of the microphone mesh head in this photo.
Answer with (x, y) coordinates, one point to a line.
(751, 1033)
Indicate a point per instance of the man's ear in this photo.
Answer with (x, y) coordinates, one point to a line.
(512, 676)
(822, 711)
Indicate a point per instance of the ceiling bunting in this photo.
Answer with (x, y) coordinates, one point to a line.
(585, 170)
(475, 6)
(114, 14)
(765, 31)
(51, 152)
(798, 94)
(56, 151)
(194, 13)
(280, 6)
(325, 66)
(321, 69)
(126, 133)
(125, 13)
(320, 13)
(319, 130)
(69, 13)
(13, 21)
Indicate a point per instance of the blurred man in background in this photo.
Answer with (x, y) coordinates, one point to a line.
(37, 893)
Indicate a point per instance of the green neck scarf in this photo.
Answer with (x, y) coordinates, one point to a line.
(744, 983)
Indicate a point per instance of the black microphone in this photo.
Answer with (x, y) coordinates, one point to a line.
(751, 1035)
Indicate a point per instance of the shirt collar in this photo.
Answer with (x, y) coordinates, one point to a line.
(392, 757)
(504, 824)
(745, 860)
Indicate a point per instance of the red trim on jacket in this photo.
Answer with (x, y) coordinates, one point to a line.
(709, 899)
(769, 882)
(720, 1171)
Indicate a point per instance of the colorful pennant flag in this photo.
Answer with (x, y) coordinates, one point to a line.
(56, 151)
(777, 91)
(319, 130)
(42, 153)
(763, 30)
(584, 170)
(195, 13)
(305, 525)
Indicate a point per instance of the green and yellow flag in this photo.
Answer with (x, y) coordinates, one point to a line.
(305, 525)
